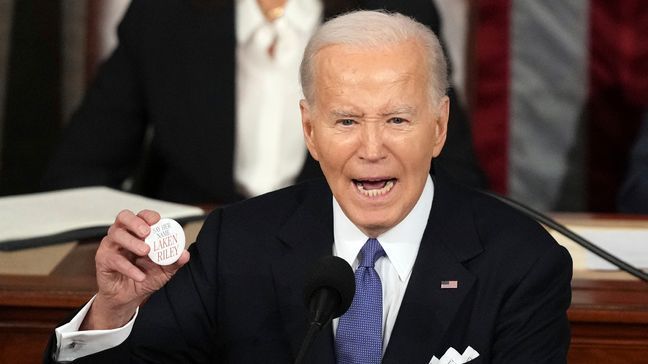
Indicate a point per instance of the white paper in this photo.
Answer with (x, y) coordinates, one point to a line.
(629, 244)
(49, 213)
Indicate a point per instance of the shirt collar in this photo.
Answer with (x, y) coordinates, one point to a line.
(401, 243)
(303, 15)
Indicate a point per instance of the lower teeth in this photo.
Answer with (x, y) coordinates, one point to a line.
(377, 192)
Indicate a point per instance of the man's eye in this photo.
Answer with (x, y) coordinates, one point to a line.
(397, 120)
(346, 122)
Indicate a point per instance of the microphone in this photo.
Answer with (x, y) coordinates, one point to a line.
(328, 291)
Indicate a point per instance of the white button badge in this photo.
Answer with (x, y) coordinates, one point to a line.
(167, 241)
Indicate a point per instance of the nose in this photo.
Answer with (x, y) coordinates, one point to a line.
(373, 147)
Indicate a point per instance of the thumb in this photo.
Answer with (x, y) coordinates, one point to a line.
(158, 275)
(172, 268)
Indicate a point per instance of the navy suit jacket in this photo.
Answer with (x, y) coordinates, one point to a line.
(239, 300)
(173, 73)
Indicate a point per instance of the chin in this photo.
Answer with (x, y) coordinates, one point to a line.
(375, 224)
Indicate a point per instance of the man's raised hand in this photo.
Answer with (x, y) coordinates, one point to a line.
(125, 274)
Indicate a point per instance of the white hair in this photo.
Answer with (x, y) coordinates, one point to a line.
(376, 29)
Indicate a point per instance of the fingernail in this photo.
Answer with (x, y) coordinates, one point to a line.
(144, 230)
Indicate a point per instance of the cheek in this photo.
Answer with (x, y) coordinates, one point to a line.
(332, 162)
(427, 142)
(413, 143)
(414, 153)
(336, 150)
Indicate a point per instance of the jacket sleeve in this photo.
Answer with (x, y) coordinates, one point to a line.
(178, 324)
(533, 326)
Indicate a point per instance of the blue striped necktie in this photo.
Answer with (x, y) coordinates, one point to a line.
(359, 333)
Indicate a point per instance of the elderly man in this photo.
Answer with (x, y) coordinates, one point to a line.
(446, 267)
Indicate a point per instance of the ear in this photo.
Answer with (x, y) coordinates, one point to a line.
(441, 127)
(307, 128)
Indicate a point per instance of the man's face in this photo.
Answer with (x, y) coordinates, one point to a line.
(374, 129)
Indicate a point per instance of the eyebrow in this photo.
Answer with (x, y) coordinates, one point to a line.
(400, 111)
(346, 114)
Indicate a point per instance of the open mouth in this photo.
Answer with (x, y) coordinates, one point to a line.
(374, 187)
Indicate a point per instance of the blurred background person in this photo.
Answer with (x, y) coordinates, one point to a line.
(633, 197)
(206, 93)
(555, 90)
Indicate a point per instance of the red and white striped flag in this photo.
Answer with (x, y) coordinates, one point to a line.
(560, 89)
(449, 284)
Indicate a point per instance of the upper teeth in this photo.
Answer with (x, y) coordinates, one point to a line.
(377, 192)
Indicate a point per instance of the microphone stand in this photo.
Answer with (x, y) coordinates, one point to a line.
(322, 305)
(546, 220)
(313, 329)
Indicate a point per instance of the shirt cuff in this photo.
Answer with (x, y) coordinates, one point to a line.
(72, 344)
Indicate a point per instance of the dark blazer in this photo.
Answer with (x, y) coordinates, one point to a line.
(172, 76)
(239, 300)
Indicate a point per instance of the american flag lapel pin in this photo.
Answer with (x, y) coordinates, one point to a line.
(449, 284)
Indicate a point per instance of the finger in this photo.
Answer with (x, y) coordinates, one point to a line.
(133, 223)
(113, 262)
(151, 217)
(147, 265)
(157, 275)
(122, 238)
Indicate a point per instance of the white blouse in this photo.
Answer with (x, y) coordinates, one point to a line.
(269, 148)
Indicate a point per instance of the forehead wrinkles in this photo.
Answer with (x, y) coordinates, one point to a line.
(341, 72)
(352, 82)
(397, 96)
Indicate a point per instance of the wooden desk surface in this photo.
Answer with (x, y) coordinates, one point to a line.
(609, 311)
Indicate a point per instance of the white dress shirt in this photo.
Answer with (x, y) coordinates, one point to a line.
(269, 149)
(73, 344)
(401, 244)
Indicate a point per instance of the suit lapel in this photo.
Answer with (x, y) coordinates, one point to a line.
(306, 236)
(427, 310)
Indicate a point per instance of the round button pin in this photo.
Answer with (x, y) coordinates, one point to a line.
(167, 242)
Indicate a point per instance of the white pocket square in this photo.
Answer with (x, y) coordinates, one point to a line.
(452, 356)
